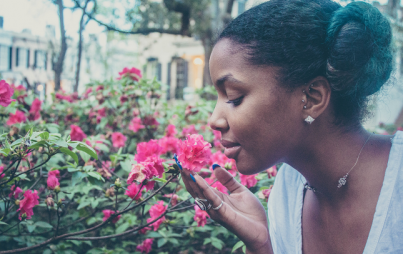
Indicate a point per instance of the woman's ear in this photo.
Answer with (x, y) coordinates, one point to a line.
(316, 97)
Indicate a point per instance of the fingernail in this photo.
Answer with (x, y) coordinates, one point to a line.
(193, 178)
(215, 165)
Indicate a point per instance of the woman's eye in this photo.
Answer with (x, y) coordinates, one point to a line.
(236, 102)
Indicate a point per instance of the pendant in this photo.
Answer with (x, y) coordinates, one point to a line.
(342, 181)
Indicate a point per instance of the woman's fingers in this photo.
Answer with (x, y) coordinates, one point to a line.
(191, 185)
(226, 179)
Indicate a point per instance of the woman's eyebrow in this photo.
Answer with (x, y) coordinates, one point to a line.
(220, 82)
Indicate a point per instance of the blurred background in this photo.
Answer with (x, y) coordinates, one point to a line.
(49, 45)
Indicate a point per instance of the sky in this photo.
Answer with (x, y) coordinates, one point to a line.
(36, 14)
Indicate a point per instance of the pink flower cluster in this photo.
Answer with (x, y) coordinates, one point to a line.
(6, 92)
(133, 191)
(133, 73)
(146, 170)
(107, 214)
(53, 180)
(30, 200)
(18, 117)
(118, 139)
(248, 180)
(156, 211)
(34, 111)
(135, 125)
(194, 152)
(77, 133)
(14, 192)
(145, 246)
(1, 172)
(200, 216)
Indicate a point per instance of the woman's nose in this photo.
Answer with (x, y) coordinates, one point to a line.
(217, 120)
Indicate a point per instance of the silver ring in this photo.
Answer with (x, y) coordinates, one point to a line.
(219, 206)
(201, 205)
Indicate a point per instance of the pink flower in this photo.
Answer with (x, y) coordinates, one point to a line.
(118, 139)
(77, 133)
(6, 92)
(189, 130)
(216, 184)
(194, 152)
(156, 211)
(30, 200)
(151, 121)
(1, 172)
(34, 112)
(87, 92)
(200, 216)
(14, 191)
(271, 172)
(144, 230)
(108, 213)
(248, 180)
(222, 160)
(19, 88)
(133, 73)
(105, 169)
(264, 194)
(63, 97)
(52, 182)
(146, 170)
(147, 149)
(217, 139)
(123, 99)
(55, 173)
(133, 191)
(170, 131)
(145, 246)
(135, 125)
(169, 144)
(100, 87)
(174, 199)
(18, 117)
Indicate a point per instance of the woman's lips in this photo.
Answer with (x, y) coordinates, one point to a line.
(231, 148)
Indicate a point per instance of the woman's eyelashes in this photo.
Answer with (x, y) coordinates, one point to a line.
(236, 102)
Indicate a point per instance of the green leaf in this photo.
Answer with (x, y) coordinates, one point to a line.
(122, 228)
(44, 135)
(83, 204)
(217, 244)
(38, 144)
(31, 228)
(61, 143)
(161, 242)
(5, 151)
(85, 148)
(96, 175)
(17, 142)
(52, 127)
(159, 180)
(126, 165)
(85, 156)
(70, 153)
(237, 246)
(77, 177)
(3, 223)
(43, 224)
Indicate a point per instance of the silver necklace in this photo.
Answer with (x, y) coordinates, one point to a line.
(343, 180)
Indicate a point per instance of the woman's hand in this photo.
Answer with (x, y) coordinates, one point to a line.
(241, 212)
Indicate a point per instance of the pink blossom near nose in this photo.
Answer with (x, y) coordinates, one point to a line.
(118, 139)
(147, 149)
(200, 216)
(248, 180)
(135, 125)
(133, 73)
(6, 92)
(76, 133)
(107, 214)
(194, 152)
(18, 117)
(30, 200)
(170, 131)
(169, 144)
(264, 194)
(14, 192)
(189, 130)
(52, 182)
(271, 172)
(222, 160)
(156, 211)
(133, 191)
(145, 246)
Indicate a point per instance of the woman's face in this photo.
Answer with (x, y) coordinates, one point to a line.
(260, 122)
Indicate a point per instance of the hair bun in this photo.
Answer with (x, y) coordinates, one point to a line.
(360, 57)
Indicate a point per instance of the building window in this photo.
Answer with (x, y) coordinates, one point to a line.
(153, 68)
(40, 60)
(22, 57)
(4, 58)
(181, 77)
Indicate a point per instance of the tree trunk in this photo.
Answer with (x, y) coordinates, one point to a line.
(207, 42)
(80, 47)
(58, 66)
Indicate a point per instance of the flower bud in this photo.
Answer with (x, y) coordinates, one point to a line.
(17, 202)
(49, 201)
(59, 203)
(57, 189)
(23, 216)
(118, 184)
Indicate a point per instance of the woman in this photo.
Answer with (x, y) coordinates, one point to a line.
(293, 79)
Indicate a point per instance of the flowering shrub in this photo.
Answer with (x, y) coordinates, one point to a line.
(95, 173)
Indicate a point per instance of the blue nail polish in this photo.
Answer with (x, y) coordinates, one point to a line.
(193, 178)
(177, 162)
(215, 165)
